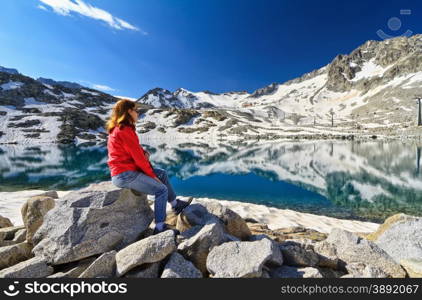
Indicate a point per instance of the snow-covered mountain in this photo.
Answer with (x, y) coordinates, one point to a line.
(182, 98)
(66, 84)
(368, 92)
(376, 78)
(9, 70)
(36, 112)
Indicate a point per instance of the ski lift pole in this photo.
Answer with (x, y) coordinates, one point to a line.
(418, 99)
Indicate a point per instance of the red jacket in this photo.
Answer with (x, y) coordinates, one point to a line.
(125, 153)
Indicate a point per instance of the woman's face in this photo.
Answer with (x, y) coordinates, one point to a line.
(134, 114)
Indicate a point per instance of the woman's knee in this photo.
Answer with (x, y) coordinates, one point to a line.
(160, 189)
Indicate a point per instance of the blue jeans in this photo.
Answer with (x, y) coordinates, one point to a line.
(140, 182)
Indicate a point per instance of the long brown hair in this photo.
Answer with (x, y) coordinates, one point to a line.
(120, 115)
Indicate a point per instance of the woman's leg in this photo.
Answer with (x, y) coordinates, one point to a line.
(145, 184)
(176, 204)
(162, 175)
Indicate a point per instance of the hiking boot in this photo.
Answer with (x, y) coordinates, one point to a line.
(181, 205)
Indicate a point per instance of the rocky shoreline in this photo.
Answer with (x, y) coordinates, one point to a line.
(102, 231)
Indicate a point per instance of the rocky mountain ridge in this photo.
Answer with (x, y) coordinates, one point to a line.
(369, 92)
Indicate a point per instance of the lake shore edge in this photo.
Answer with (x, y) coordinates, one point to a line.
(274, 218)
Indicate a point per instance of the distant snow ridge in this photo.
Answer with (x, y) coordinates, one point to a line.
(66, 84)
(374, 84)
(9, 71)
(183, 98)
(369, 92)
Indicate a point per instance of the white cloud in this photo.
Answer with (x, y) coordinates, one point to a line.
(102, 87)
(66, 7)
(41, 7)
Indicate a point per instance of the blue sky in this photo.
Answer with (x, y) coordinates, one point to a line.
(127, 47)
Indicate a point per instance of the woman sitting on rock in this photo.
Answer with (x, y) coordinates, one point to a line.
(130, 167)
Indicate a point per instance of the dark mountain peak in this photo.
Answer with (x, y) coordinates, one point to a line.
(66, 84)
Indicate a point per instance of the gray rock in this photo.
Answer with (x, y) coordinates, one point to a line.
(293, 272)
(327, 254)
(51, 194)
(144, 271)
(187, 234)
(413, 267)
(361, 270)
(202, 212)
(11, 255)
(73, 269)
(276, 258)
(353, 249)
(149, 250)
(103, 267)
(8, 233)
(20, 236)
(196, 248)
(297, 254)
(35, 267)
(5, 222)
(8, 243)
(331, 273)
(308, 253)
(242, 259)
(403, 240)
(90, 221)
(33, 212)
(179, 267)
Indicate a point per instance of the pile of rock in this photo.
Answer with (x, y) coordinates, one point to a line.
(103, 231)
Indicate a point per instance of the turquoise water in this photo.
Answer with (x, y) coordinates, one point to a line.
(358, 180)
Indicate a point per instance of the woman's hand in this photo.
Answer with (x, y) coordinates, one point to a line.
(146, 154)
(158, 180)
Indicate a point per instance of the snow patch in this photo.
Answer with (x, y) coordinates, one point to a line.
(90, 92)
(370, 69)
(33, 101)
(368, 192)
(11, 85)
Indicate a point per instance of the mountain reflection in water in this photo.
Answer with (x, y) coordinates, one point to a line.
(359, 180)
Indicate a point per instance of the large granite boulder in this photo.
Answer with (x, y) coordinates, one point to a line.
(149, 250)
(402, 240)
(354, 249)
(5, 222)
(361, 270)
(243, 259)
(35, 267)
(13, 254)
(179, 267)
(397, 218)
(73, 269)
(299, 254)
(202, 212)
(196, 248)
(33, 212)
(103, 267)
(144, 271)
(91, 221)
(287, 233)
